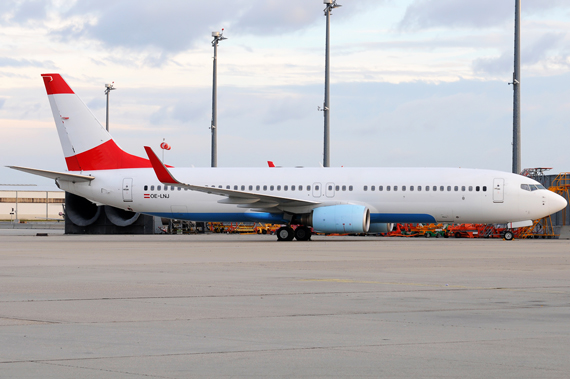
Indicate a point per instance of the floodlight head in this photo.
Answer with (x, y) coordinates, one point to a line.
(215, 34)
(328, 1)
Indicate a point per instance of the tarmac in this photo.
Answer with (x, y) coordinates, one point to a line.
(222, 306)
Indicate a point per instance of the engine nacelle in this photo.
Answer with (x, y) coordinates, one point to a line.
(344, 218)
(120, 217)
(81, 211)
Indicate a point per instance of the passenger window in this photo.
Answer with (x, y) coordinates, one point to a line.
(337, 188)
(172, 188)
(388, 188)
(308, 188)
(381, 188)
(463, 188)
(300, 188)
(152, 188)
(228, 186)
(484, 188)
(395, 188)
(243, 188)
(257, 187)
(271, 188)
(166, 188)
(366, 188)
(403, 188)
(470, 188)
(179, 189)
(292, 188)
(435, 188)
(317, 188)
(344, 188)
(477, 188)
(427, 188)
(373, 188)
(442, 188)
(158, 188)
(456, 188)
(278, 188)
(265, 188)
(419, 188)
(411, 188)
(251, 188)
(330, 187)
(145, 188)
(235, 188)
(219, 186)
(350, 188)
(285, 188)
(448, 188)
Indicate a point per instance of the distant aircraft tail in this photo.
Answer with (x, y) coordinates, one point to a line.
(85, 142)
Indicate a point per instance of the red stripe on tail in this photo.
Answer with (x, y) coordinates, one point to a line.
(107, 156)
(55, 84)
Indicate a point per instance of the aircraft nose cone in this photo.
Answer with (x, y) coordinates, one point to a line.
(557, 203)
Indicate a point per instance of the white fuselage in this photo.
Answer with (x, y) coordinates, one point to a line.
(454, 195)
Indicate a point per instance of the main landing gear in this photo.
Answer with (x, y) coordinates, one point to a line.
(287, 233)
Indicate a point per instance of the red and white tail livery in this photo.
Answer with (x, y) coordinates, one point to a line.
(86, 144)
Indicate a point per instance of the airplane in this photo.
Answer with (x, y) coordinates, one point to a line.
(328, 200)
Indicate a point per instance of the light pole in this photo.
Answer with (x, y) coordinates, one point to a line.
(108, 88)
(517, 92)
(217, 38)
(330, 5)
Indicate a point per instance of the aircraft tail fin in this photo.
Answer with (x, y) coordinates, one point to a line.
(85, 142)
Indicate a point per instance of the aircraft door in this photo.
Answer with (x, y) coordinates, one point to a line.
(316, 189)
(329, 190)
(127, 189)
(498, 190)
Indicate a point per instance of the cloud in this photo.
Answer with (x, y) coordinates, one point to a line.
(2, 101)
(426, 14)
(11, 62)
(531, 54)
(177, 25)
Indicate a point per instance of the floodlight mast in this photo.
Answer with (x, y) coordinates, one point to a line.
(517, 92)
(217, 38)
(108, 88)
(330, 5)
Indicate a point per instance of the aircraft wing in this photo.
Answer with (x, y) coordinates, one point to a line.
(54, 174)
(254, 201)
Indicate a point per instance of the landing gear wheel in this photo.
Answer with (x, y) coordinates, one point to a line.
(285, 233)
(302, 233)
(508, 235)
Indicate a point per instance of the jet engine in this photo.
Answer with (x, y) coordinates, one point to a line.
(380, 228)
(344, 218)
(120, 217)
(81, 211)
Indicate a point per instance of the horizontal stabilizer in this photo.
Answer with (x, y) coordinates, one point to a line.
(66, 176)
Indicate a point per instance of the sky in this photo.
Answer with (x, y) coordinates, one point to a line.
(419, 83)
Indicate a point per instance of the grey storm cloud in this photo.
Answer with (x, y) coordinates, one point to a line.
(172, 26)
(425, 14)
(530, 54)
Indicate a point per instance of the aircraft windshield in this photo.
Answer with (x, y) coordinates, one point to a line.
(532, 187)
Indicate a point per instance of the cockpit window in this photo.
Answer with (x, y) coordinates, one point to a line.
(532, 187)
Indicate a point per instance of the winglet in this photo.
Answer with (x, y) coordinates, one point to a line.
(162, 173)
